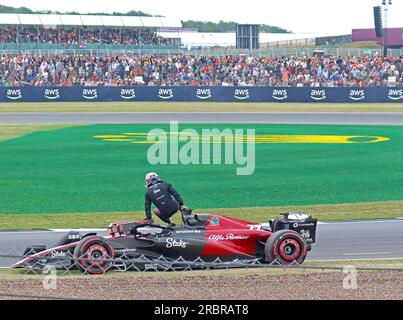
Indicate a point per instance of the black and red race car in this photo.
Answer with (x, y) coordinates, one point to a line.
(204, 240)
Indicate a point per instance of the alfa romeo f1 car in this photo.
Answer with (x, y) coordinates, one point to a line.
(203, 240)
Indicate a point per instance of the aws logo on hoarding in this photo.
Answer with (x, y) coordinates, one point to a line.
(128, 94)
(357, 95)
(203, 94)
(52, 94)
(280, 94)
(90, 94)
(318, 95)
(165, 94)
(14, 94)
(241, 94)
(395, 94)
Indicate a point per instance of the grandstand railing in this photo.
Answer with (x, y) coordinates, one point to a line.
(101, 50)
(61, 46)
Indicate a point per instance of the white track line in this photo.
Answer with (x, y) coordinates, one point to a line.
(50, 230)
(364, 222)
(80, 230)
(365, 253)
(360, 259)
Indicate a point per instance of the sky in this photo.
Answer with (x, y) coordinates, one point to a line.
(299, 16)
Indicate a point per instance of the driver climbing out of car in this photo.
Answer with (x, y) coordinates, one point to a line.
(164, 196)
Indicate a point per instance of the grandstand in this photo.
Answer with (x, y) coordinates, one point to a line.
(37, 70)
(98, 50)
(54, 31)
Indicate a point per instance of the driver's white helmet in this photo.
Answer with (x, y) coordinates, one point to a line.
(151, 177)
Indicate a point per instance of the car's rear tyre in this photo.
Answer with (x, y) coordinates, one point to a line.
(94, 255)
(286, 247)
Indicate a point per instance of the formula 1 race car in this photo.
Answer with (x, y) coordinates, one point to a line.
(204, 240)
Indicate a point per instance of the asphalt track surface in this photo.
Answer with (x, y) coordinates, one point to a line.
(336, 241)
(258, 118)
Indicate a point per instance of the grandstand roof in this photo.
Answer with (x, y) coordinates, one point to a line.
(88, 20)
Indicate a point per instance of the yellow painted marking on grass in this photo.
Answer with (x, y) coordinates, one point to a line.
(141, 138)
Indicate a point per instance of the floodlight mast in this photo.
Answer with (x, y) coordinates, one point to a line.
(386, 4)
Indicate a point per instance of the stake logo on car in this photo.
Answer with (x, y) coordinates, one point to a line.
(172, 243)
(57, 254)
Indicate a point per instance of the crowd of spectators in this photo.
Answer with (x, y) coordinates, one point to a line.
(183, 70)
(81, 36)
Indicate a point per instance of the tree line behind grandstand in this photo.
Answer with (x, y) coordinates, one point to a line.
(26, 70)
(202, 26)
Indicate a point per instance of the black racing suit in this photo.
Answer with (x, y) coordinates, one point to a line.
(164, 196)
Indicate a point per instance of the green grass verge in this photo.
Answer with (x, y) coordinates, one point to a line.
(52, 107)
(361, 45)
(356, 211)
(12, 131)
(70, 170)
(47, 169)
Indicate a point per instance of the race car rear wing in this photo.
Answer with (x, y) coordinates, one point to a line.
(302, 223)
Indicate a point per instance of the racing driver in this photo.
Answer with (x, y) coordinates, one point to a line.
(164, 196)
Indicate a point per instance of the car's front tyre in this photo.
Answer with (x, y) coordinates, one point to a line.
(94, 255)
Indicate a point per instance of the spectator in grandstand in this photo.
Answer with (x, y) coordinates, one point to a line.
(181, 70)
(79, 36)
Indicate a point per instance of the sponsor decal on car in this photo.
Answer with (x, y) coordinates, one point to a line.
(227, 237)
(173, 243)
(306, 234)
(215, 221)
(299, 225)
(153, 266)
(58, 254)
(188, 231)
(126, 250)
(75, 236)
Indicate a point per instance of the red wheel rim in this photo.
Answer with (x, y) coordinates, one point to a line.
(95, 253)
(289, 250)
